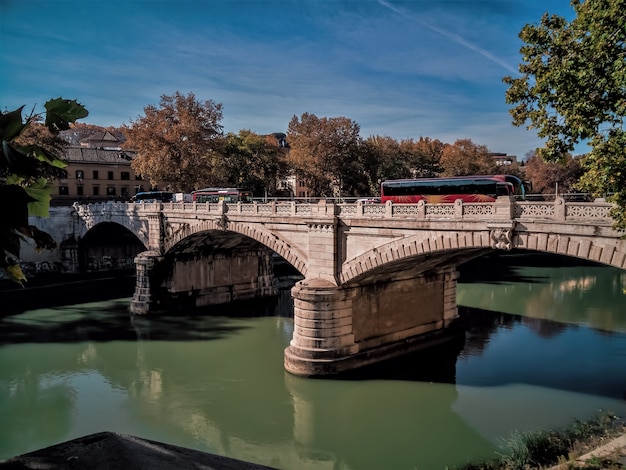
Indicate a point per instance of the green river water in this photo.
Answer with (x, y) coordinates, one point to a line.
(545, 344)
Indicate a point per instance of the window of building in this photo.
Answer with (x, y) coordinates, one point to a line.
(110, 191)
(124, 191)
(125, 175)
(96, 190)
(110, 175)
(138, 178)
(80, 175)
(95, 174)
(64, 191)
(79, 190)
(301, 194)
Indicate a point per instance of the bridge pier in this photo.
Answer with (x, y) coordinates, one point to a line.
(201, 280)
(142, 297)
(337, 329)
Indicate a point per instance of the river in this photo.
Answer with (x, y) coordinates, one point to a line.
(545, 343)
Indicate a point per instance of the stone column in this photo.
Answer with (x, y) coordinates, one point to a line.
(155, 232)
(322, 329)
(559, 209)
(337, 329)
(323, 256)
(142, 297)
(504, 208)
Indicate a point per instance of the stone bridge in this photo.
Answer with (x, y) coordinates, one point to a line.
(379, 279)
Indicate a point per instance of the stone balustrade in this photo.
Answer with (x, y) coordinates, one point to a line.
(557, 210)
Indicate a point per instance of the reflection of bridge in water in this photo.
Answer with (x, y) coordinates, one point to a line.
(379, 280)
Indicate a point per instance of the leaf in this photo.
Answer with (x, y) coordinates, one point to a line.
(40, 193)
(11, 124)
(45, 156)
(61, 112)
(15, 273)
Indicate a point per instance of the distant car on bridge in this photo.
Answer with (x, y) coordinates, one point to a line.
(153, 196)
(369, 200)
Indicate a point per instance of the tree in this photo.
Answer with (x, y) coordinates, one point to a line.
(573, 90)
(178, 143)
(29, 155)
(252, 161)
(324, 152)
(464, 157)
(381, 160)
(385, 158)
(424, 156)
(547, 178)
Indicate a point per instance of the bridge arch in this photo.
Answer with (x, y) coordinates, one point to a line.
(107, 245)
(448, 246)
(266, 238)
(119, 214)
(610, 252)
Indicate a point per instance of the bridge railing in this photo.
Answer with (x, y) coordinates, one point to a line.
(504, 208)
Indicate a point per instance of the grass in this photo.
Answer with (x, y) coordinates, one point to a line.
(544, 449)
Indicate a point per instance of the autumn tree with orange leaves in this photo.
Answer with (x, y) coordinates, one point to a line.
(324, 152)
(550, 177)
(178, 143)
(464, 157)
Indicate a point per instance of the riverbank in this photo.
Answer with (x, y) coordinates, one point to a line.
(611, 455)
(597, 443)
(107, 450)
(112, 450)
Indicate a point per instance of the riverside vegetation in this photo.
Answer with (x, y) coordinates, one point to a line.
(552, 448)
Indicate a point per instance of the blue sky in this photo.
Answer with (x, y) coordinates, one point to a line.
(399, 68)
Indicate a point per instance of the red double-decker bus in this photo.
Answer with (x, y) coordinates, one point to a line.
(478, 188)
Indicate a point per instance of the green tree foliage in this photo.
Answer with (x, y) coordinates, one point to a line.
(424, 156)
(464, 157)
(252, 161)
(179, 143)
(547, 178)
(30, 154)
(324, 151)
(385, 158)
(573, 89)
(381, 160)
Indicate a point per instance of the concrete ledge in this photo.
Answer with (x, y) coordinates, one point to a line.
(107, 450)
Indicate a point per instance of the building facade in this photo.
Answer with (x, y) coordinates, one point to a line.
(98, 170)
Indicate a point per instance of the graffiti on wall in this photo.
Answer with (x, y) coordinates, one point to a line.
(101, 263)
(40, 267)
(109, 263)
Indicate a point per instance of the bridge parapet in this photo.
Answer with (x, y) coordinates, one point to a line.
(503, 209)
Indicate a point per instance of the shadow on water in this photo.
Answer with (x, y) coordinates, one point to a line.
(435, 364)
(57, 289)
(111, 321)
(502, 268)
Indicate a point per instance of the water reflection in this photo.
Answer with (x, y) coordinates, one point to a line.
(214, 381)
(585, 294)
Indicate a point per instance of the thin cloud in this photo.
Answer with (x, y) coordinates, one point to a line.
(449, 35)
